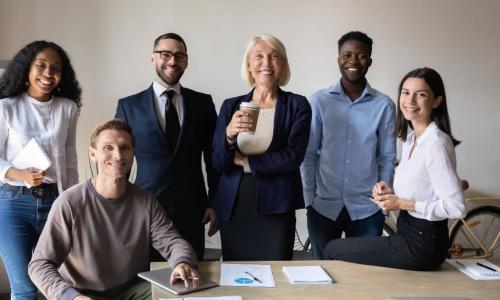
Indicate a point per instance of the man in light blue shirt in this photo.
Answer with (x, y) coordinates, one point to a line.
(351, 147)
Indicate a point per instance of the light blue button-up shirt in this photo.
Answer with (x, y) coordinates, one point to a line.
(351, 147)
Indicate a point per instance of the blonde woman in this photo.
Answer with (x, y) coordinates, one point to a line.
(260, 187)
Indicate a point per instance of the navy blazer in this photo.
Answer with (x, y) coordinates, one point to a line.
(174, 176)
(277, 171)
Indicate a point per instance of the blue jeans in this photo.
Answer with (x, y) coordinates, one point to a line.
(322, 229)
(22, 218)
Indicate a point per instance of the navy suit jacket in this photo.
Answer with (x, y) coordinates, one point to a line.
(277, 171)
(174, 176)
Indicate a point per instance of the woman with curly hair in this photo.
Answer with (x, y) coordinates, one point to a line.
(39, 99)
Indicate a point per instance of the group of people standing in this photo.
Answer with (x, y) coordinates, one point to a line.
(334, 154)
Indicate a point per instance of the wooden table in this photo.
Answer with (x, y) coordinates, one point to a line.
(354, 281)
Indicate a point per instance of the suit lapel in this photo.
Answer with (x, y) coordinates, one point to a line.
(279, 116)
(149, 104)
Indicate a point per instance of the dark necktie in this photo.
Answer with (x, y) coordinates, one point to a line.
(172, 126)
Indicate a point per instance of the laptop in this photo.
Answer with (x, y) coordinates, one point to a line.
(161, 278)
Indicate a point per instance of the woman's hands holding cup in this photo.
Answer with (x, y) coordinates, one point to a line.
(240, 122)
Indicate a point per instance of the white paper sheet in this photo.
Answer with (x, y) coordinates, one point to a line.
(246, 275)
(307, 275)
(474, 271)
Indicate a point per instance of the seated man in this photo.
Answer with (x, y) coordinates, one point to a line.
(97, 235)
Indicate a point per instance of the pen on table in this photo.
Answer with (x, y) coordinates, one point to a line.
(486, 267)
(253, 277)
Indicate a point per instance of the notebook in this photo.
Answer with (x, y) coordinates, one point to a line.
(161, 278)
(307, 275)
(478, 269)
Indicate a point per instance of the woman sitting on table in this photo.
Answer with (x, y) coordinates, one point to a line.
(426, 186)
(260, 187)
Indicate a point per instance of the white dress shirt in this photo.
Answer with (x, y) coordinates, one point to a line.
(52, 124)
(161, 100)
(429, 176)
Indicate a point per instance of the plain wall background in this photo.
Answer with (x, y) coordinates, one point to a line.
(110, 42)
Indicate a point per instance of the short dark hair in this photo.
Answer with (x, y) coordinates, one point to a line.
(114, 124)
(170, 35)
(13, 81)
(357, 36)
(439, 114)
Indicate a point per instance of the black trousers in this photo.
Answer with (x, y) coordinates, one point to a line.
(249, 236)
(419, 245)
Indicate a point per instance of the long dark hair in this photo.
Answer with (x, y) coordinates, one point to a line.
(13, 81)
(439, 114)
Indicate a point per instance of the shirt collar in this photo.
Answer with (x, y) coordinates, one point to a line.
(428, 131)
(36, 102)
(339, 90)
(159, 89)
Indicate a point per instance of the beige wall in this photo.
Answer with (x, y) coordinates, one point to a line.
(110, 43)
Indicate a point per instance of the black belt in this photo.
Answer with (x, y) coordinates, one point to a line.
(38, 191)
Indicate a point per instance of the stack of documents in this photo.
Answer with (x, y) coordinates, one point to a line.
(307, 275)
(477, 269)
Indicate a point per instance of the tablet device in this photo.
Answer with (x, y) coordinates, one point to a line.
(161, 278)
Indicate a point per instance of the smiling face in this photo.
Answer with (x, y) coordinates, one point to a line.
(265, 64)
(417, 101)
(113, 153)
(169, 71)
(45, 74)
(354, 61)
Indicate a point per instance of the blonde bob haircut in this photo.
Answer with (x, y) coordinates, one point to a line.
(277, 45)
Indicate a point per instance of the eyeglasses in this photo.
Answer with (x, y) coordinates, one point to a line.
(167, 55)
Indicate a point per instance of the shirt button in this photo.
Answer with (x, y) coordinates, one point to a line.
(347, 161)
(349, 141)
(345, 180)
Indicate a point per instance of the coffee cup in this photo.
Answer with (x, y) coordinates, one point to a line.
(253, 112)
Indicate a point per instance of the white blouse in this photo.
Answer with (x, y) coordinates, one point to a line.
(52, 124)
(429, 176)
